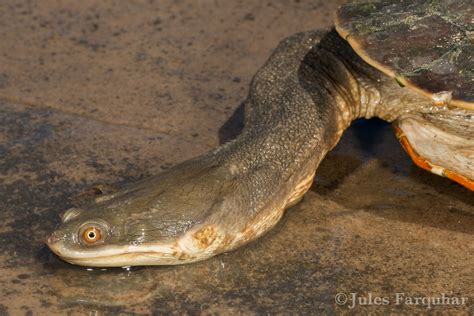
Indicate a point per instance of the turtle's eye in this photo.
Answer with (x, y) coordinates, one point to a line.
(92, 234)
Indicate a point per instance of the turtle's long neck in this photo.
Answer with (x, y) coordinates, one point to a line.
(301, 101)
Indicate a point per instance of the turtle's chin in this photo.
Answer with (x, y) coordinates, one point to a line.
(118, 256)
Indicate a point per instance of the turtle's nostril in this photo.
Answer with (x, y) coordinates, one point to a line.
(52, 239)
(53, 242)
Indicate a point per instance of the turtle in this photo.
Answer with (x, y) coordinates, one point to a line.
(406, 62)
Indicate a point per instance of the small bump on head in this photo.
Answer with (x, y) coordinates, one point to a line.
(70, 214)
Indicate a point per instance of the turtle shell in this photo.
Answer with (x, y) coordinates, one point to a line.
(427, 46)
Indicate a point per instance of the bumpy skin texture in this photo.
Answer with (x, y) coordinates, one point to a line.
(299, 104)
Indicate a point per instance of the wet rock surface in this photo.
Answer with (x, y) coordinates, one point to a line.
(97, 93)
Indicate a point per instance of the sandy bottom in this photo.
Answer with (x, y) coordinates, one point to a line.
(92, 93)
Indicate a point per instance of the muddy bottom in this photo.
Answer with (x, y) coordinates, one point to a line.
(93, 93)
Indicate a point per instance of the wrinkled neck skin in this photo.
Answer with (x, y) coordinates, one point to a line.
(299, 104)
(304, 97)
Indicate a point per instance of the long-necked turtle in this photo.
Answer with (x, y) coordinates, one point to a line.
(408, 62)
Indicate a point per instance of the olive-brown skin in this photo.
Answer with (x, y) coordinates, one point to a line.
(299, 103)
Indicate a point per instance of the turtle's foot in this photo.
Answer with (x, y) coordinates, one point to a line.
(440, 143)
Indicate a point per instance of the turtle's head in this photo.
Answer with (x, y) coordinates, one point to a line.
(172, 219)
(96, 241)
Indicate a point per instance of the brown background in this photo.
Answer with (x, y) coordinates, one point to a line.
(113, 91)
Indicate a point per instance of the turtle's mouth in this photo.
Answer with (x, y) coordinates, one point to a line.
(120, 256)
(194, 246)
(126, 259)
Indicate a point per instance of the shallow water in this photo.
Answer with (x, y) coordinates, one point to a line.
(372, 224)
